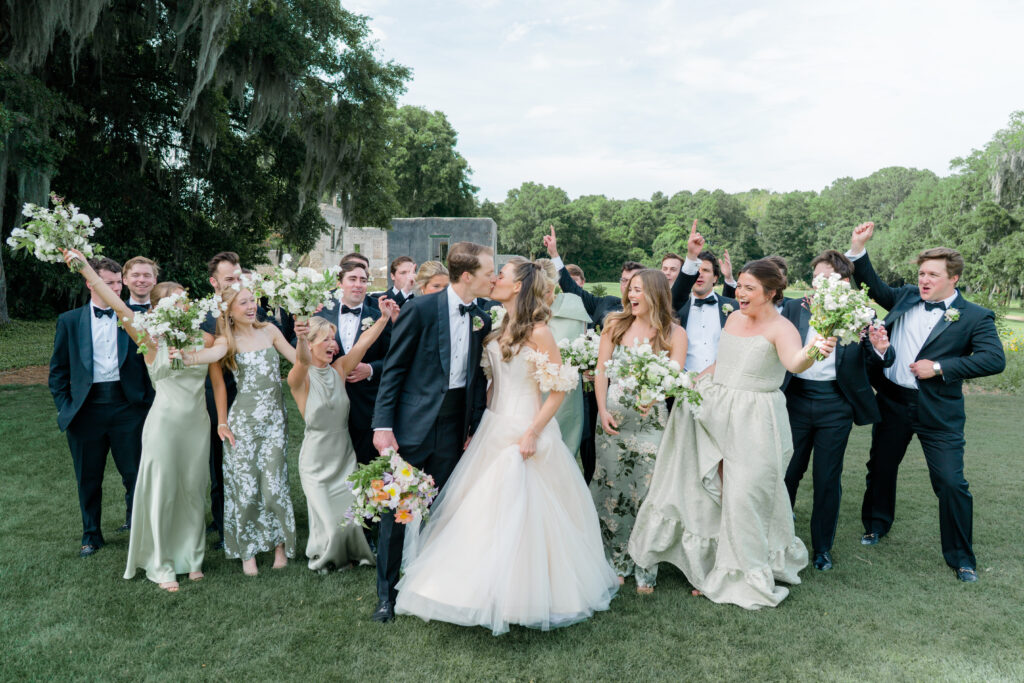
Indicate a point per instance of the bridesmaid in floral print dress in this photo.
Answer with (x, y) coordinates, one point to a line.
(258, 513)
(627, 439)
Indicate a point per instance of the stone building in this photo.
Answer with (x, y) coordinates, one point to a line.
(428, 239)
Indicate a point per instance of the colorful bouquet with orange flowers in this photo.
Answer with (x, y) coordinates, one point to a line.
(389, 484)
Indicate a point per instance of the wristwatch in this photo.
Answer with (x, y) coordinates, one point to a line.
(937, 368)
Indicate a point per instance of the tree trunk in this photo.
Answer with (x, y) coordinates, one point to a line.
(5, 318)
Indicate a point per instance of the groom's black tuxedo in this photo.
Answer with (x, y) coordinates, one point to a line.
(966, 347)
(363, 395)
(430, 421)
(98, 418)
(821, 415)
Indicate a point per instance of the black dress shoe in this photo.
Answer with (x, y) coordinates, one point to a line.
(88, 550)
(823, 561)
(870, 539)
(124, 527)
(385, 612)
(967, 574)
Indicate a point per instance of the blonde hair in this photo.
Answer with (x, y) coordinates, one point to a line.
(226, 326)
(659, 300)
(162, 289)
(320, 329)
(428, 270)
(140, 261)
(529, 308)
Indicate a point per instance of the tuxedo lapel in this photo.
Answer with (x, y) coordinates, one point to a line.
(123, 342)
(899, 309)
(941, 326)
(366, 312)
(475, 347)
(804, 323)
(85, 338)
(684, 314)
(444, 334)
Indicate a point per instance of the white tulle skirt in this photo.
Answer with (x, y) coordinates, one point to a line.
(510, 541)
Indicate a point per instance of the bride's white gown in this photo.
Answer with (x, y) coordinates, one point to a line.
(510, 541)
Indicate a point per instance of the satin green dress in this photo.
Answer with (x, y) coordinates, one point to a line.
(569, 320)
(326, 460)
(169, 510)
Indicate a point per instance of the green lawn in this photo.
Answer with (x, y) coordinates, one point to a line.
(26, 342)
(892, 612)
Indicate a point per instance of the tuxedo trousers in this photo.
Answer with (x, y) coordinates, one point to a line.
(944, 453)
(217, 455)
(437, 456)
(588, 446)
(106, 423)
(821, 421)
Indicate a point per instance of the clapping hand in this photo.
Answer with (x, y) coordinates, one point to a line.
(861, 234)
(879, 338)
(695, 244)
(389, 308)
(551, 243)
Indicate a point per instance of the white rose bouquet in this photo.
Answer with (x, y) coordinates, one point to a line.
(581, 352)
(50, 230)
(175, 320)
(389, 484)
(647, 377)
(838, 310)
(303, 291)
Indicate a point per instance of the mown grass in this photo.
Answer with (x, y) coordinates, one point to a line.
(26, 342)
(891, 612)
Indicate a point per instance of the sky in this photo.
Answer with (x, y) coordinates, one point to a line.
(626, 99)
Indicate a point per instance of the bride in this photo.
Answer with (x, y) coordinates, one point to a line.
(514, 537)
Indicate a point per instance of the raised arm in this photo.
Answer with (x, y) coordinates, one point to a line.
(347, 363)
(687, 277)
(565, 280)
(864, 272)
(298, 376)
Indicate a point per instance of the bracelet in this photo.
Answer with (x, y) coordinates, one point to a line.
(221, 425)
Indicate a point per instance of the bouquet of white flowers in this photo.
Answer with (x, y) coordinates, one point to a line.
(50, 230)
(389, 484)
(581, 352)
(301, 292)
(647, 377)
(838, 310)
(176, 320)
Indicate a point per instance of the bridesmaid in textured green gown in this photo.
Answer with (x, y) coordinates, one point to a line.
(569, 320)
(327, 457)
(168, 523)
(258, 513)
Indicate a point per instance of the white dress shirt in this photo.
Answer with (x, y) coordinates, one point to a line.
(104, 347)
(703, 332)
(459, 328)
(348, 327)
(394, 291)
(821, 370)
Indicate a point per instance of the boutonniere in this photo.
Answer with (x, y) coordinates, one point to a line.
(478, 323)
(367, 323)
(952, 315)
(727, 308)
(497, 315)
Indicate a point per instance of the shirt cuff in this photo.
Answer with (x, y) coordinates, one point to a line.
(880, 355)
(558, 263)
(731, 283)
(853, 256)
(383, 429)
(691, 267)
(370, 376)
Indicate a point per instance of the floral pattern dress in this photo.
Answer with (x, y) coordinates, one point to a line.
(625, 463)
(258, 513)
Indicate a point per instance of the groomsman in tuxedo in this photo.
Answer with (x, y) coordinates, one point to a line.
(824, 402)
(361, 258)
(403, 281)
(671, 264)
(351, 317)
(139, 275)
(102, 393)
(940, 339)
(432, 392)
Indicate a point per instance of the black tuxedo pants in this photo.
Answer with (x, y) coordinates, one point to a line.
(821, 426)
(944, 453)
(106, 423)
(217, 458)
(588, 446)
(437, 456)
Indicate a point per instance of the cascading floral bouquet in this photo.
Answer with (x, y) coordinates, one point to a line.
(176, 320)
(302, 291)
(389, 484)
(581, 352)
(647, 377)
(50, 230)
(838, 310)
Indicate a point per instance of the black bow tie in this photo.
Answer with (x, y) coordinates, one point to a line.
(467, 308)
(932, 305)
(103, 312)
(139, 308)
(354, 311)
(709, 301)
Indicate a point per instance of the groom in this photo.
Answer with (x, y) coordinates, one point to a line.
(432, 392)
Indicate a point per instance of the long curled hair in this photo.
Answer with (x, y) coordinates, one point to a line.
(226, 326)
(659, 300)
(528, 308)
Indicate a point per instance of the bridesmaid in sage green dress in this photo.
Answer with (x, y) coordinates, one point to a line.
(258, 513)
(168, 522)
(569, 320)
(627, 440)
(327, 458)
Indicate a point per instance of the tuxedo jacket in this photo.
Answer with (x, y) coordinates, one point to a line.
(597, 307)
(71, 366)
(852, 365)
(399, 298)
(968, 347)
(362, 395)
(681, 289)
(417, 367)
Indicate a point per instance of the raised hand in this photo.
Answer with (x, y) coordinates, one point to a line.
(71, 255)
(551, 243)
(388, 307)
(695, 243)
(861, 234)
(879, 338)
(301, 328)
(726, 264)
